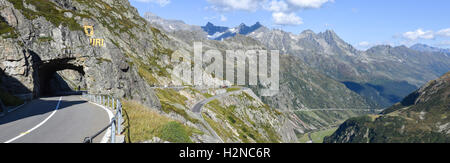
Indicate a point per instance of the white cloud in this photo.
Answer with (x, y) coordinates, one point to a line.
(444, 32)
(277, 6)
(160, 2)
(419, 34)
(309, 3)
(283, 11)
(227, 5)
(282, 18)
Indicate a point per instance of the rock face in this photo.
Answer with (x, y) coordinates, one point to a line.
(48, 37)
(244, 118)
(422, 117)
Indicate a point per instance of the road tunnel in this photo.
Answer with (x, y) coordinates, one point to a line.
(60, 76)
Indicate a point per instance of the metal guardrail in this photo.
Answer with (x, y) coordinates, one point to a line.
(116, 121)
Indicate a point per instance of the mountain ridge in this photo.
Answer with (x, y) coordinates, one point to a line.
(421, 117)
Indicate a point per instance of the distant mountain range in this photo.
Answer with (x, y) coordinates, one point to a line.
(427, 48)
(221, 33)
(169, 25)
(382, 74)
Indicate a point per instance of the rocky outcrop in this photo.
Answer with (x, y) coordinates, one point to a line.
(48, 36)
(244, 118)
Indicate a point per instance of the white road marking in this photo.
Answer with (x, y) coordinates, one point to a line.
(37, 126)
(107, 135)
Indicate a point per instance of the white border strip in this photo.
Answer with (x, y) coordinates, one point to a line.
(107, 135)
(37, 126)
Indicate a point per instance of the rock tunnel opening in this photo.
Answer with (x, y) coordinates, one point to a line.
(60, 76)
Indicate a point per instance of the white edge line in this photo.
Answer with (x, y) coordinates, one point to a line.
(37, 126)
(107, 135)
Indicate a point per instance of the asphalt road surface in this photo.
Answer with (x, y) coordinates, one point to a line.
(199, 105)
(67, 119)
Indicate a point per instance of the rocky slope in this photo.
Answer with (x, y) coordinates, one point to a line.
(422, 117)
(48, 36)
(244, 118)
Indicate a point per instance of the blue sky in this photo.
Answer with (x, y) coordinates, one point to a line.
(362, 23)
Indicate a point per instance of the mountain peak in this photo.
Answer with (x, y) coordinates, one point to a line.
(212, 29)
(219, 33)
(329, 34)
(428, 48)
(330, 31)
(308, 33)
(209, 24)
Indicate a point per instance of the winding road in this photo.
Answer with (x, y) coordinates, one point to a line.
(67, 119)
(199, 105)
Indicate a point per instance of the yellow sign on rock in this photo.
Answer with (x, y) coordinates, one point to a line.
(89, 30)
(96, 42)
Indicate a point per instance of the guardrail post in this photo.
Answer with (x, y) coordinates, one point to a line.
(113, 131)
(119, 119)
(107, 105)
(87, 140)
(117, 104)
(112, 105)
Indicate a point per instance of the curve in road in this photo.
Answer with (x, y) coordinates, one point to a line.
(199, 105)
(67, 119)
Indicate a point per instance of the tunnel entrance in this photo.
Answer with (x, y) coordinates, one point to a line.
(60, 76)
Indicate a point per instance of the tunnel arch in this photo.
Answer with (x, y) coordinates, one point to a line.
(50, 82)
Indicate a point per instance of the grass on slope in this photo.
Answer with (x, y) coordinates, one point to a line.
(233, 89)
(49, 10)
(169, 97)
(318, 136)
(142, 124)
